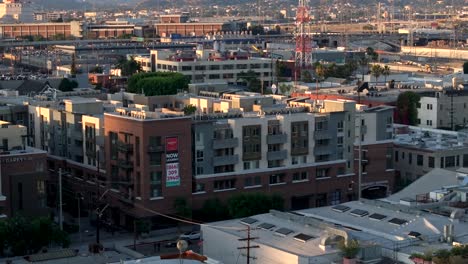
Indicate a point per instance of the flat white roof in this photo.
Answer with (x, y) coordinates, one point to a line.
(270, 238)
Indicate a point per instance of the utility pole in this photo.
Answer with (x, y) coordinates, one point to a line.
(98, 213)
(248, 247)
(60, 200)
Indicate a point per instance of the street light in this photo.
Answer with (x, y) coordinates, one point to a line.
(79, 198)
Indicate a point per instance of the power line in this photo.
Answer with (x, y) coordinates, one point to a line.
(178, 218)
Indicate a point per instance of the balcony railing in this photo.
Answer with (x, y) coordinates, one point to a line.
(322, 134)
(155, 148)
(125, 147)
(126, 164)
(277, 139)
(225, 160)
(225, 143)
(277, 155)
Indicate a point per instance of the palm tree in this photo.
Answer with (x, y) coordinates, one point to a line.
(386, 72)
(376, 71)
(364, 62)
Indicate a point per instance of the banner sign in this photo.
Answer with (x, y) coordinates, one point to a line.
(172, 162)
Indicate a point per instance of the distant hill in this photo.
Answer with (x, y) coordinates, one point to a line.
(60, 4)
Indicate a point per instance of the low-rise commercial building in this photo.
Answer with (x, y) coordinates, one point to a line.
(213, 65)
(420, 150)
(45, 30)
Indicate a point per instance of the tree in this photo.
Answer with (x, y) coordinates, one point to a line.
(73, 70)
(465, 67)
(96, 69)
(376, 71)
(386, 72)
(214, 210)
(66, 85)
(282, 72)
(285, 89)
(407, 108)
(364, 62)
(189, 109)
(23, 235)
(157, 83)
(349, 249)
(128, 67)
(250, 78)
(306, 76)
(243, 205)
(182, 208)
(372, 54)
(257, 30)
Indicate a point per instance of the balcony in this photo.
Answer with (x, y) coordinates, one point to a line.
(277, 155)
(225, 160)
(127, 200)
(125, 147)
(126, 182)
(91, 153)
(322, 134)
(125, 164)
(225, 143)
(299, 151)
(323, 150)
(277, 139)
(154, 149)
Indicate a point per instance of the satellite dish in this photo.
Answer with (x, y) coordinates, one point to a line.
(182, 245)
(274, 88)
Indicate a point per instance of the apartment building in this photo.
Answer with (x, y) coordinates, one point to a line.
(291, 151)
(57, 126)
(374, 130)
(420, 150)
(443, 109)
(23, 174)
(212, 65)
(148, 162)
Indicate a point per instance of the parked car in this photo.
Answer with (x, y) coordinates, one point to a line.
(194, 235)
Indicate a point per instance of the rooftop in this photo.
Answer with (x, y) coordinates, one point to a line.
(429, 139)
(289, 236)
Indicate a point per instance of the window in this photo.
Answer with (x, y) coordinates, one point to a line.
(224, 184)
(389, 159)
(419, 160)
(294, 160)
(322, 172)
(252, 181)
(429, 106)
(450, 161)
(277, 178)
(340, 126)
(335, 197)
(429, 122)
(300, 176)
(410, 158)
(246, 165)
(200, 170)
(418, 121)
(321, 125)
(339, 142)
(156, 184)
(199, 155)
(442, 164)
(113, 145)
(430, 162)
(155, 159)
(40, 187)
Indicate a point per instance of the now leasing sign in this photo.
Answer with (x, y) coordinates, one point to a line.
(172, 162)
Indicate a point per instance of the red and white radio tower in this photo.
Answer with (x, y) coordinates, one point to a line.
(303, 40)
